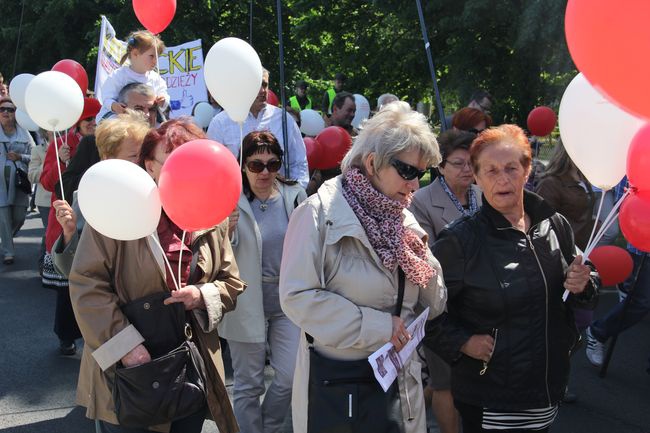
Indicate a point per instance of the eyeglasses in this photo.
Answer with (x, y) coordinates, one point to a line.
(475, 131)
(7, 110)
(406, 171)
(459, 165)
(258, 166)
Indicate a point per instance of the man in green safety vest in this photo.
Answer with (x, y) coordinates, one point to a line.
(300, 101)
(330, 94)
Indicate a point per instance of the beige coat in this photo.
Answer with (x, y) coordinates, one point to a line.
(247, 322)
(433, 209)
(326, 246)
(107, 274)
(43, 197)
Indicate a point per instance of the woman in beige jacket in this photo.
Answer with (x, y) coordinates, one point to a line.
(106, 274)
(339, 275)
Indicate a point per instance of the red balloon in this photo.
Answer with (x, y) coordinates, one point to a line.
(199, 184)
(541, 121)
(609, 42)
(272, 98)
(313, 152)
(75, 71)
(333, 143)
(634, 219)
(638, 159)
(156, 15)
(614, 264)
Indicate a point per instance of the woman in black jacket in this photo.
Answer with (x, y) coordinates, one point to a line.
(508, 333)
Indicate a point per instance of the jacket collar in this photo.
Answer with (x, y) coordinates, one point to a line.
(534, 206)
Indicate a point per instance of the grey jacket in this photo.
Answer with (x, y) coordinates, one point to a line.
(21, 142)
(246, 323)
(433, 209)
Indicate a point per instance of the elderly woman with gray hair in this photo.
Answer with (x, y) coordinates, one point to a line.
(355, 272)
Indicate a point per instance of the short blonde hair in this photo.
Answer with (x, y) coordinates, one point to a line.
(393, 130)
(110, 133)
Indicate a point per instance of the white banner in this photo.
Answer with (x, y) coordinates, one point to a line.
(181, 66)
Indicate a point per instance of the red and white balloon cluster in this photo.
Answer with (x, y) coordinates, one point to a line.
(604, 110)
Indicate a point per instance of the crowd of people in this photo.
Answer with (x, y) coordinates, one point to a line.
(312, 275)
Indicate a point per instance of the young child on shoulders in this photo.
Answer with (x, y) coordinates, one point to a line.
(141, 50)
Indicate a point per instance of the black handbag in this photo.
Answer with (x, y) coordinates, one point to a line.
(173, 385)
(345, 397)
(22, 182)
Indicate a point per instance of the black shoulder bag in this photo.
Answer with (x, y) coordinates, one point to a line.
(22, 180)
(173, 385)
(345, 397)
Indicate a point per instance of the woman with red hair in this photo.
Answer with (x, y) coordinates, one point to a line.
(107, 274)
(471, 119)
(507, 332)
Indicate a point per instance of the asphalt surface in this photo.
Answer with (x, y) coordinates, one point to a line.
(37, 384)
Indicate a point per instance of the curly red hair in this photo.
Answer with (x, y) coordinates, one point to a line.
(467, 118)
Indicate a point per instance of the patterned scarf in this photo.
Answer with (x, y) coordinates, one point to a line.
(381, 218)
(471, 199)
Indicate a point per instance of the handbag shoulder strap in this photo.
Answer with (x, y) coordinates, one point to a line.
(400, 291)
(7, 155)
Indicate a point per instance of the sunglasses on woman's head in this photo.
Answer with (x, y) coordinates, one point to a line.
(7, 110)
(406, 171)
(258, 166)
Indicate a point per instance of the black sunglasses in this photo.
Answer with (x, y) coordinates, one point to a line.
(407, 171)
(258, 166)
(7, 110)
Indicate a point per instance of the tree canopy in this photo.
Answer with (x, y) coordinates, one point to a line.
(514, 49)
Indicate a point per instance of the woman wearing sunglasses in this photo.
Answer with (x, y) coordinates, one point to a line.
(348, 250)
(258, 226)
(15, 152)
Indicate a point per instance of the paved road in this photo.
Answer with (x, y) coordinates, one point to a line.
(37, 384)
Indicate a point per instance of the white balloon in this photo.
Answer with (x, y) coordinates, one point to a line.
(54, 101)
(233, 74)
(17, 89)
(120, 200)
(203, 114)
(25, 121)
(311, 122)
(595, 133)
(363, 110)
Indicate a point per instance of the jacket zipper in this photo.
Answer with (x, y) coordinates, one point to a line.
(539, 264)
(532, 248)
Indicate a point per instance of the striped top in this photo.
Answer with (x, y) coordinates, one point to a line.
(531, 419)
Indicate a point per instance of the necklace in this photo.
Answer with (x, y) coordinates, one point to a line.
(263, 205)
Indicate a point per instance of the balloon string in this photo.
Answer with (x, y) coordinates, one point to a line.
(169, 266)
(58, 162)
(609, 220)
(593, 229)
(241, 144)
(180, 258)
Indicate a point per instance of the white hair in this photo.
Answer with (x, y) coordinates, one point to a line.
(393, 130)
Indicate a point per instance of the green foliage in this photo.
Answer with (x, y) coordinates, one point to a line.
(514, 49)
